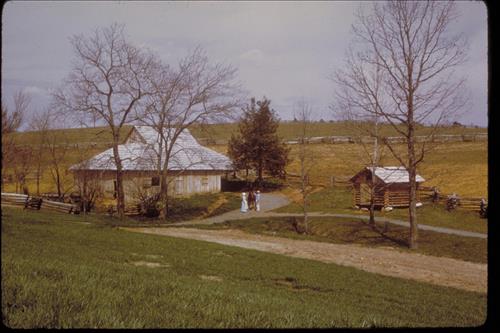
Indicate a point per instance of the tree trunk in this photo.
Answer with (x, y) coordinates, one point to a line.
(260, 172)
(38, 182)
(372, 203)
(412, 172)
(120, 197)
(164, 196)
(58, 184)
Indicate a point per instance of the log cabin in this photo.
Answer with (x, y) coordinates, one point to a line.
(390, 184)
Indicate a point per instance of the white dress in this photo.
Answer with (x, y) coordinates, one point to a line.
(244, 203)
(257, 202)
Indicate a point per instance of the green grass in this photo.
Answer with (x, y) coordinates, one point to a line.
(186, 208)
(197, 206)
(357, 231)
(233, 201)
(56, 273)
(339, 200)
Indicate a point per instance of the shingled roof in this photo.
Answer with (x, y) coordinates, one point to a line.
(390, 175)
(187, 154)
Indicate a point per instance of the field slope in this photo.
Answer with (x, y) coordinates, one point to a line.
(58, 272)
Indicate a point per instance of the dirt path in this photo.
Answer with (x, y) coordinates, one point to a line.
(441, 271)
(271, 201)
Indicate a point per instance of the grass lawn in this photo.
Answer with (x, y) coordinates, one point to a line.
(339, 200)
(188, 208)
(352, 231)
(61, 274)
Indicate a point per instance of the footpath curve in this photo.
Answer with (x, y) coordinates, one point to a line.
(385, 261)
(271, 201)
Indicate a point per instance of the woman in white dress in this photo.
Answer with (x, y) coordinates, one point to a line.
(257, 201)
(244, 203)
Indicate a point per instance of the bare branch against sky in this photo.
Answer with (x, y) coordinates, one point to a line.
(282, 50)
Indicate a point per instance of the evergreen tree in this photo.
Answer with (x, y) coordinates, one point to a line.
(257, 146)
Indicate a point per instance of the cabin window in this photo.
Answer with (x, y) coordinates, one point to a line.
(155, 181)
(204, 183)
(179, 184)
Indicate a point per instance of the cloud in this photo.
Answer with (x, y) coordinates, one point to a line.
(34, 90)
(281, 49)
(255, 56)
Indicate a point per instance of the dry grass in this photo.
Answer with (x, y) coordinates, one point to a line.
(460, 167)
(289, 130)
(453, 167)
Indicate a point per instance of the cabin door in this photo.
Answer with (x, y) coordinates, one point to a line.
(365, 194)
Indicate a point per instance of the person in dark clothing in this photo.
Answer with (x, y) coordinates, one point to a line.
(251, 199)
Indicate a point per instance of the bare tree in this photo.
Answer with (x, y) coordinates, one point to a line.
(87, 182)
(11, 122)
(108, 81)
(57, 149)
(22, 165)
(408, 43)
(40, 123)
(306, 156)
(196, 92)
(359, 103)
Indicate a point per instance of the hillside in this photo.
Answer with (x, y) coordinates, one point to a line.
(87, 135)
(460, 167)
(289, 130)
(58, 272)
(222, 132)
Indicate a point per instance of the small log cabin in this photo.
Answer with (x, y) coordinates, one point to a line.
(390, 184)
(195, 169)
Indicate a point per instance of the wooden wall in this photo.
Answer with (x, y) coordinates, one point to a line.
(135, 182)
(394, 195)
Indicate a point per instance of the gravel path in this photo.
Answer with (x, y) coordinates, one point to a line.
(436, 270)
(385, 261)
(271, 201)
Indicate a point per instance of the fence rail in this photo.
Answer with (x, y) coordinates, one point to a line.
(37, 203)
(428, 193)
(394, 139)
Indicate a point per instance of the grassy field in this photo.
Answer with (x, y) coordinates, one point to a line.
(289, 130)
(352, 231)
(57, 272)
(460, 167)
(339, 200)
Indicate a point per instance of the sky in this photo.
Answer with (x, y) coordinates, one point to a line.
(284, 51)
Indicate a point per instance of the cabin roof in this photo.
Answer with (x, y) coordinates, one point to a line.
(187, 154)
(391, 174)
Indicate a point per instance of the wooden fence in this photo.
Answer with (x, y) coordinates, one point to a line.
(466, 203)
(31, 202)
(394, 139)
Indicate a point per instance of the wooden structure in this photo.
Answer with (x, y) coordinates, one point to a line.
(192, 169)
(390, 186)
(37, 203)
